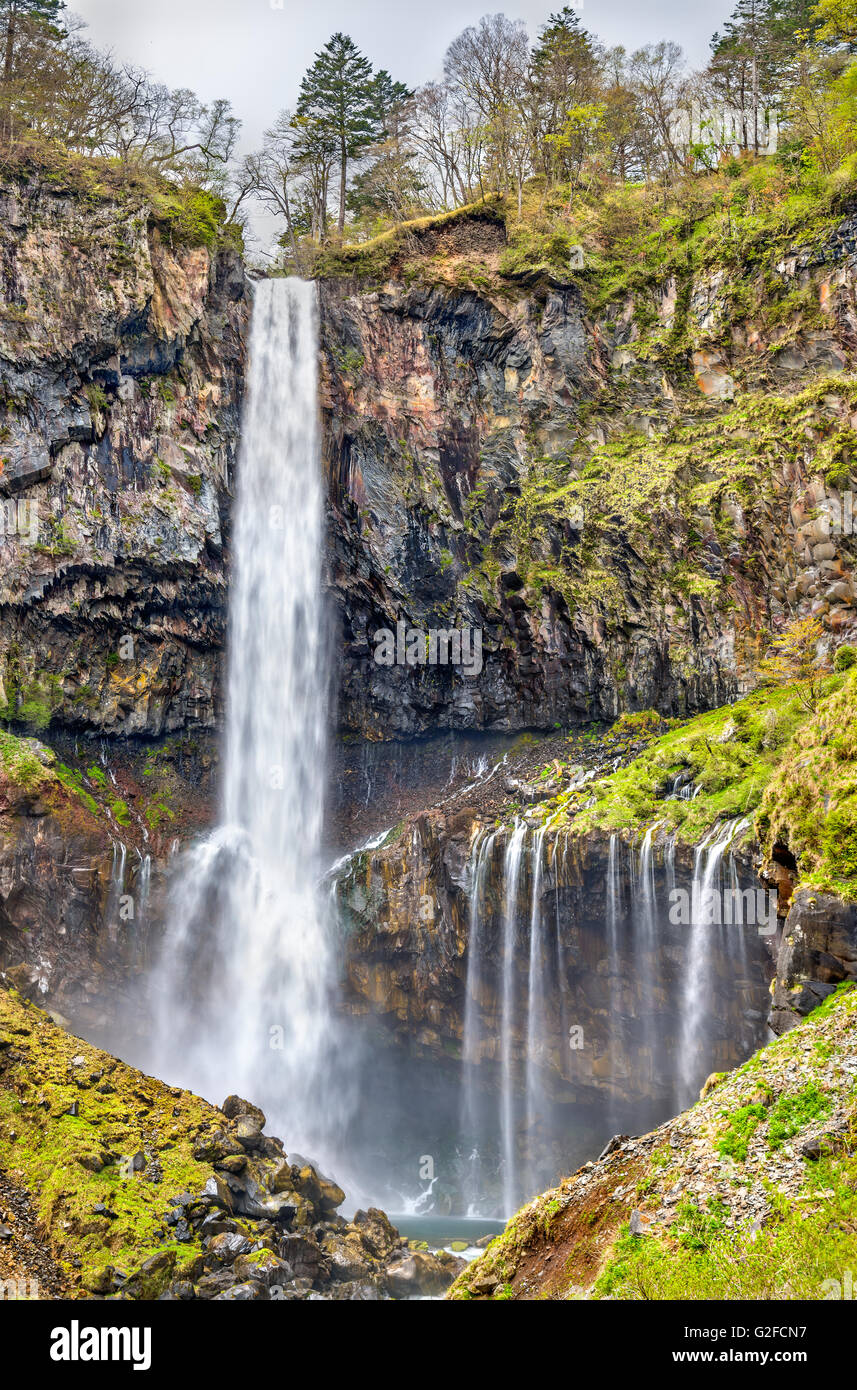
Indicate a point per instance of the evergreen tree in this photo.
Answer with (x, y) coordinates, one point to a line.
(565, 73)
(390, 186)
(747, 62)
(338, 107)
(389, 98)
(12, 12)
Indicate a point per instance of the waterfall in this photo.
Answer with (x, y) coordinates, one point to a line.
(614, 963)
(524, 1010)
(242, 987)
(706, 937)
(116, 888)
(472, 1041)
(537, 1030)
(143, 887)
(646, 938)
(662, 981)
(512, 871)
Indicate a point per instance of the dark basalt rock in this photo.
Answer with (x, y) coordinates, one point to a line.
(818, 952)
(430, 440)
(122, 383)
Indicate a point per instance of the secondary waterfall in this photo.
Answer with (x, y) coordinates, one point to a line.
(243, 985)
(706, 936)
(667, 998)
(512, 872)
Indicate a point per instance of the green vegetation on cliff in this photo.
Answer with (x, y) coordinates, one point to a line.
(72, 1121)
(730, 754)
(789, 770)
(675, 498)
(810, 803)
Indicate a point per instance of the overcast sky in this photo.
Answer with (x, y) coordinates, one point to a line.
(256, 54)
(255, 51)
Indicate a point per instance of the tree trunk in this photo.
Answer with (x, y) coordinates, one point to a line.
(291, 229)
(343, 171)
(10, 44)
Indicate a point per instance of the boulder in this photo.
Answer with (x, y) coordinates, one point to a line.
(415, 1274)
(265, 1267)
(248, 1132)
(233, 1106)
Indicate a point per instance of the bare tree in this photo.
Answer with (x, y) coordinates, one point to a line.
(487, 66)
(656, 72)
(271, 174)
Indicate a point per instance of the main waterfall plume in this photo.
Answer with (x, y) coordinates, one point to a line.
(243, 984)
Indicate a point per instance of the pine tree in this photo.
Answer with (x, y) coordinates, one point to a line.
(564, 73)
(338, 106)
(745, 63)
(44, 12)
(389, 97)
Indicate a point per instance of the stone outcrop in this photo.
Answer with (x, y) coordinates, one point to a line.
(85, 839)
(818, 952)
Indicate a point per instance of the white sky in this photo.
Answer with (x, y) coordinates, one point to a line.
(255, 52)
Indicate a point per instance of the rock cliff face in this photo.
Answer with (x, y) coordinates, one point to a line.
(85, 840)
(818, 953)
(121, 362)
(122, 351)
(621, 496)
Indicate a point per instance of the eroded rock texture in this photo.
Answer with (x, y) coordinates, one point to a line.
(459, 407)
(121, 365)
(818, 952)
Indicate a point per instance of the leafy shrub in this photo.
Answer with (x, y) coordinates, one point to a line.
(845, 657)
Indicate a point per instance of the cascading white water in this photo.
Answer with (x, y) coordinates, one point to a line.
(646, 937)
(512, 872)
(662, 979)
(480, 862)
(705, 940)
(242, 988)
(537, 1026)
(614, 960)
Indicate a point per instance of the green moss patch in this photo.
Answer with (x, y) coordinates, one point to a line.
(72, 1119)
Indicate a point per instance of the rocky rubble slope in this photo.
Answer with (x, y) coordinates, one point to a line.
(146, 1191)
(750, 1194)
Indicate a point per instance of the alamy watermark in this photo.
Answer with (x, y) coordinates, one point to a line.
(19, 518)
(713, 907)
(839, 513)
(411, 646)
(19, 1290)
(839, 1289)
